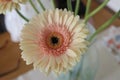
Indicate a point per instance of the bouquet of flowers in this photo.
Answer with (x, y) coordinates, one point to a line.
(56, 39)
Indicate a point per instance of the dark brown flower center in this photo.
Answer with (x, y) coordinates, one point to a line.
(54, 40)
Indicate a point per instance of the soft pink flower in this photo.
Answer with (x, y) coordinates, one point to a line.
(54, 41)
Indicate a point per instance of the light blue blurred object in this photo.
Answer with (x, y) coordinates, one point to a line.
(87, 67)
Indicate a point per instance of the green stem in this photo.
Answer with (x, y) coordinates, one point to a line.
(77, 7)
(96, 10)
(33, 6)
(69, 5)
(42, 6)
(22, 16)
(105, 25)
(53, 2)
(88, 7)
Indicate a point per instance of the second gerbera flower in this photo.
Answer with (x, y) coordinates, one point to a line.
(8, 5)
(54, 41)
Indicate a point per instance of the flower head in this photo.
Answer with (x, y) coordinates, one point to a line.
(8, 5)
(54, 41)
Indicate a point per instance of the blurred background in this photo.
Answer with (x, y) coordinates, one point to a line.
(12, 67)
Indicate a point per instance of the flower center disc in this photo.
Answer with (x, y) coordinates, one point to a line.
(54, 40)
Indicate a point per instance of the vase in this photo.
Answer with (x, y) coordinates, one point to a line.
(88, 65)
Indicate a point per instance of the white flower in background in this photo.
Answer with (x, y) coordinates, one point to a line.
(9, 5)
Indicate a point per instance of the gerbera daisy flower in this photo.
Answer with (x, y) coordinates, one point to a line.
(54, 41)
(8, 5)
